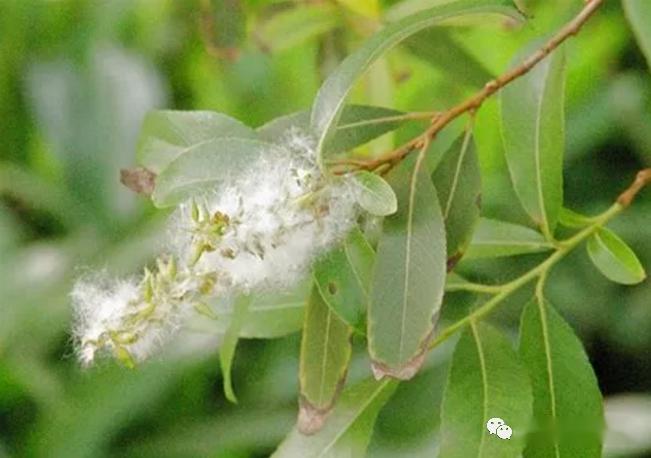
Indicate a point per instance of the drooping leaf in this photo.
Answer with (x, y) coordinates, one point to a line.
(343, 276)
(568, 413)
(296, 25)
(374, 194)
(570, 218)
(409, 277)
(494, 238)
(166, 134)
(486, 381)
(533, 125)
(439, 49)
(613, 257)
(330, 99)
(229, 343)
(325, 354)
(638, 13)
(458, 184)
(270, 315)
(359, 125)
(349, 427)
(204, 166)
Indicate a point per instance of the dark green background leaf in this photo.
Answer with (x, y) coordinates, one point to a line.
(568, 410)
(458, 183)
(533, 127)
(485, 381)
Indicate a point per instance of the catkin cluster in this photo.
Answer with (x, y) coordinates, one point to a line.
(258, 231)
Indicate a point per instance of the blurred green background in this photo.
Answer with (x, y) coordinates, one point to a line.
(76, 77)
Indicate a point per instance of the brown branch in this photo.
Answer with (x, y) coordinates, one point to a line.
(473, 103)
(642, 179)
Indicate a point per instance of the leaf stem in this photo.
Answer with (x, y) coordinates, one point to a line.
(501, 292)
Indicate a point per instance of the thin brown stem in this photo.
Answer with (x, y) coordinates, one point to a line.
(473, 103)
(642, 179)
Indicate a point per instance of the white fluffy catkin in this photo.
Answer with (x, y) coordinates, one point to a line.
(258, 231)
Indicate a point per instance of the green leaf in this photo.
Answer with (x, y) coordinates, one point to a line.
(166, 134)
(570, 218)
(374, 194)
(270, 315)
(638, 13)
(349, 427)
(614, 258)
(444, 53)
(359, 125)
(294, 26)
(494, 238)
(458, 183)
(533, 125)
(486, 381)
(330, 99)
(409, 277)
(343, 276)
(325, 354)
(568, 411)
(204, 166)
(229, 343)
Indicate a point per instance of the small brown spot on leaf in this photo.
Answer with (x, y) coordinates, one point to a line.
(139, 180)
(332, 288)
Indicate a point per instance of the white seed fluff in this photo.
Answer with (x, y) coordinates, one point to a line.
(258, 231)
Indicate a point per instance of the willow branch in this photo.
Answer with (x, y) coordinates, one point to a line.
(473, 103)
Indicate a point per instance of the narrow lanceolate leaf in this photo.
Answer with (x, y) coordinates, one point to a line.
(270, 315)
(486, 381)
(325, 354)
(494, 238)
(568, 413)
(374, 194)
(458, 184)
(343, 276)
(533, 126)
(330, 99)
(570, 218)
(203, 166)
(349, 427)
(439, 49)
(613, 257)
(638, 13)
(409, 277)
(296, 25)
(358, 125)
(166, 134)
(229, 343)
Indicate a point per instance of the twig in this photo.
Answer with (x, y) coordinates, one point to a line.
(473, 103)
(642, 179)
(501, 292)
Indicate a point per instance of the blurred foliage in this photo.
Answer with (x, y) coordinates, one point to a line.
(77, 76)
